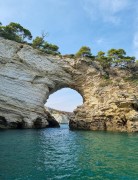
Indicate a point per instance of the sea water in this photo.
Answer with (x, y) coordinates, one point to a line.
(59, 153)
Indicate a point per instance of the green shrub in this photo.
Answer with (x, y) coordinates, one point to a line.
(132, 79)
(15, 32)
(84, 52)
(69, 56)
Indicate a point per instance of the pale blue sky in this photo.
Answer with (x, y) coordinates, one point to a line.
(65, 99)
(99, 24)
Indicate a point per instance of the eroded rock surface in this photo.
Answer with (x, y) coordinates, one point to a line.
(28, 77)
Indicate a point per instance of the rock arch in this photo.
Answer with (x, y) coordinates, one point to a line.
(28, 76)
(62, 103)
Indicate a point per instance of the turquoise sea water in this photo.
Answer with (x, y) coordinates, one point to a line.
(59, 153)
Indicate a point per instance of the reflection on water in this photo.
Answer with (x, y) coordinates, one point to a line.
(63, 154)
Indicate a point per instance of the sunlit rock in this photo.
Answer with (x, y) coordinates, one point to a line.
(62, 117)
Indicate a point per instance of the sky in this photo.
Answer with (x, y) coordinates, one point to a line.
(70, 24)
(65, 99)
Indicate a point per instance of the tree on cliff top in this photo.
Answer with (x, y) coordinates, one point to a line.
(15, 32)
(38, 42)
(118, 58)
(84, 52)
(115, 57)
(103, 60)
(50, 48)
(44, 46)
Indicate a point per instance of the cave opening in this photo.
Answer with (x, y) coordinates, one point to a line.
(62, 103)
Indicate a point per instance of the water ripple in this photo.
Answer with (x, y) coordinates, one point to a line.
(50, 154)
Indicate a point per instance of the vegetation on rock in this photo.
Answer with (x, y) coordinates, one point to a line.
(44, 46)
(84, 52)
(15, 32)
(133, 79)
(38, 42)
(69, 56)
(113, 58)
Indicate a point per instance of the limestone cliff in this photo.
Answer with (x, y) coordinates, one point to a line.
(28, 77)
(62, 117)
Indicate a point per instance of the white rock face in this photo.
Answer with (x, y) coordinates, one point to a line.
(28, 77)
(61, 116)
